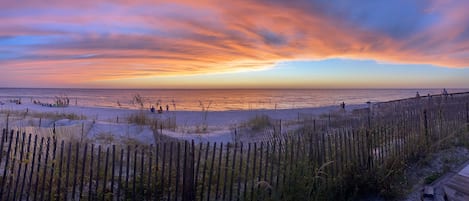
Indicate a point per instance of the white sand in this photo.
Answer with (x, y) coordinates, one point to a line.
(108, 125)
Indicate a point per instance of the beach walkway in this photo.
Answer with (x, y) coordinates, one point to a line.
(457, 186)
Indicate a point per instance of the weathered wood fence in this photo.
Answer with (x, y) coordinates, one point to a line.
(37, 168)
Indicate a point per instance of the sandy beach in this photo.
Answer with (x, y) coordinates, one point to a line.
(113, 125)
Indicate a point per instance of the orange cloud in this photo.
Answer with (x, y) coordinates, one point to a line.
(94, 41)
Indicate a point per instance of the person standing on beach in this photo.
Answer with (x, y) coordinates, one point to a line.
(167, 107)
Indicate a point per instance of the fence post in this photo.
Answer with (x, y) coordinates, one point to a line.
(467, 116)
(280, 127)
(82, 131)
(8, 117)
(425, 124)
(368, 147)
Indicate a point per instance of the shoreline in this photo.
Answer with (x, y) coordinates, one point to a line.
(111, 113)
(113, 125)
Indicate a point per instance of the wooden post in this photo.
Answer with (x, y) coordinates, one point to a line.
(233, 165)
(178, 147)
(8, 117)
(82, 181)
(467, 116)
(150, 163)
(54, 149)
(184, 173)
(35, 190)
(219, 171)
(425, 123)
(368, 148)
(25, 167)
(280, 125)
(98, 167)
(240, 168)
(211, 171)
(171, 150)
(90, 192)
(226, 170)
(119, 179)
(105, 172)
(17, 180)
(314, 125)
(247, 171)
(82, 131)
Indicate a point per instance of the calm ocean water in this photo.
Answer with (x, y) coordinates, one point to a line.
(226, 99)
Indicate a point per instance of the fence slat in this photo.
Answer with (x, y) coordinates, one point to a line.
(59, 179)
(177, 171)
(4, 178)
(219, 170)
(17, 180)
(226, 170)
(82, 180)
(170, 169)
(105, 174)
(51, 180)
(163, 169)
(246, 172)
(90, 182)
(119, 179)
(149, 182)
(67, 170)
(142, 172)
(134, 174)
(204, 171)
(25, 167)
(98, 168)
(209, 190)
(113, 165)
(75, 169)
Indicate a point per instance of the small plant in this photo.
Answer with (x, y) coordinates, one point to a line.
(139, 118)
(205, 109)
(259, 122)
(431, 178)
(139, 100)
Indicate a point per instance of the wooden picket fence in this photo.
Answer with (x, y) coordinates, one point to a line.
(38, 168)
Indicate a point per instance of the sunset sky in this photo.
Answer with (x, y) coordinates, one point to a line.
(235, 44)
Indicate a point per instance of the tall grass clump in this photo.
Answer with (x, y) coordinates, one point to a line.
(259, 122)
(139, 118)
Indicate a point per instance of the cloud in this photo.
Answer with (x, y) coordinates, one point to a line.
(106, 40)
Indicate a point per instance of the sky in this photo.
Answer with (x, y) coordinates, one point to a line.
(235, 44)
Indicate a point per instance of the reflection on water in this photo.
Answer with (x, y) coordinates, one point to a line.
(223, 99)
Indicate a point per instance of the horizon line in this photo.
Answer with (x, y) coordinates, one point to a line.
(260, 88)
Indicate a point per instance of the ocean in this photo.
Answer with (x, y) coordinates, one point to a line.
(215, 99)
